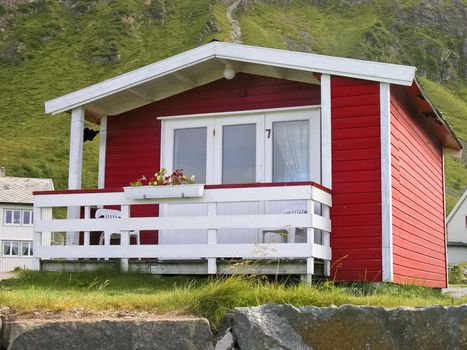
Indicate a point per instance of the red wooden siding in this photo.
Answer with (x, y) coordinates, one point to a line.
(356, 180)
(133, 140)
(418, 199)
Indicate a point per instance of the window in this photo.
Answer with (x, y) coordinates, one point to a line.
(26, 248)
(276, 146)
(17, 248)
(18, 217)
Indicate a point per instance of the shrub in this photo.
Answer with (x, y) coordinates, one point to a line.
(458, 274)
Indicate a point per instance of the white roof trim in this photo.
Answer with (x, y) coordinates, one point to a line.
(367, 70)
(457, 206)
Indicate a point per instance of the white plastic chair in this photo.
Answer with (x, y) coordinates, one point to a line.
(107, 235)
(286, 234)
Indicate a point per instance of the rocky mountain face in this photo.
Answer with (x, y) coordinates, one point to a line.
(49, 48)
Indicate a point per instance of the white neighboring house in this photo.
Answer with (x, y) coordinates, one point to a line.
(16, 220)
(457, 232)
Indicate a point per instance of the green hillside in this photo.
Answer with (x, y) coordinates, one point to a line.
(49, 48)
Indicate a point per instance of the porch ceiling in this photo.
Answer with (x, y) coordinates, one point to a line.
(205, 64)
(183, 80)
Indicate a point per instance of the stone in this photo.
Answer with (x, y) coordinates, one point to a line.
(350, 327)
(170, 334)
(227, 342)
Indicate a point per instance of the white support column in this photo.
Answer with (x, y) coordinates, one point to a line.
(75, 168)
(386, 184)
(326, 156)
(212, 239)
(102, 151)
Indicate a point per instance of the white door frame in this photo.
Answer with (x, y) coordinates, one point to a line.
(263, 119)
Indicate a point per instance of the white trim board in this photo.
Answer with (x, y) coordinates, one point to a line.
(386, 185)
(307, 62)
(234, 113)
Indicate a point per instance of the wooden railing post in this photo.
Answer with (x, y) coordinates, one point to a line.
(212, 239)
(326, 240)
(124, 238)
(37, 239)
(87, 215)
(310, 237)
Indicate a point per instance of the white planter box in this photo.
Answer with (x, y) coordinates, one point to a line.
(175, 191)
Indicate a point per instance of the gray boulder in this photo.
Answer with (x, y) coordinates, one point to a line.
(178, 334)
(350, 327)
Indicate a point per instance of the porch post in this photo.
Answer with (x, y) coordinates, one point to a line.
(326, 175)
(326, 142)
(75, 167)
(102, 151)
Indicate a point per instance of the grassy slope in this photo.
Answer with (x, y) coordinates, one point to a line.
(57, 43)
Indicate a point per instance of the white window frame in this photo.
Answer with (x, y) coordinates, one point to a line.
(21, 217)
(30, 248)
(264, 120)
(20, 249)
(11, 248)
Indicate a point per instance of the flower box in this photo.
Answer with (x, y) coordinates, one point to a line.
(169, 191)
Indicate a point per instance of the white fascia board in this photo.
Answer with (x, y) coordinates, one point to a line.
(130, 79)
(367, 70)
(348, 67)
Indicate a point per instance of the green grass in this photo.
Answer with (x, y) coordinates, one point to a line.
(210, 298)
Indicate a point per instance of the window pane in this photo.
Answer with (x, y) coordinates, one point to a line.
(239, 154)
(32, 217)
(6, 248)
(17, 217)
(25, 248)
(8, 217)
(26, 217)
(30, 249)
(14, 248)
(290, 151)
(190, 152)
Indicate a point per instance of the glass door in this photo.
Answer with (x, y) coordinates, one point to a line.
(239, 158)
(275, 146)
(187, 144)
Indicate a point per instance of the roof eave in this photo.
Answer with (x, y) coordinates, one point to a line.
(367, 70)
(441, 119)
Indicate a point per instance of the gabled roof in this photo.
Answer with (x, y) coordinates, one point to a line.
(205, 64)
(457, 206)
(19, 189)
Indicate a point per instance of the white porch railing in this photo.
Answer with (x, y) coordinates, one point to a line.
(211, 250)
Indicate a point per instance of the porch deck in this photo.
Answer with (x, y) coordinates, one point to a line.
(315, 218)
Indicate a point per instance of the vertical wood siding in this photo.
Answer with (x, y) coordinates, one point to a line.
(133, 138)
(356, 178)
(418, 199)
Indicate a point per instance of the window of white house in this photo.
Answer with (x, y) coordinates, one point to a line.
(26, 248)
(18, 217)
(17, 248)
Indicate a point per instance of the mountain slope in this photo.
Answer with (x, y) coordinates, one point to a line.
(49, 48)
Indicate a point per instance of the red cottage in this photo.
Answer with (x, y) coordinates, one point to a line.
(307, 164)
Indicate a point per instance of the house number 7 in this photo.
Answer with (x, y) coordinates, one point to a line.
(269, 133)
